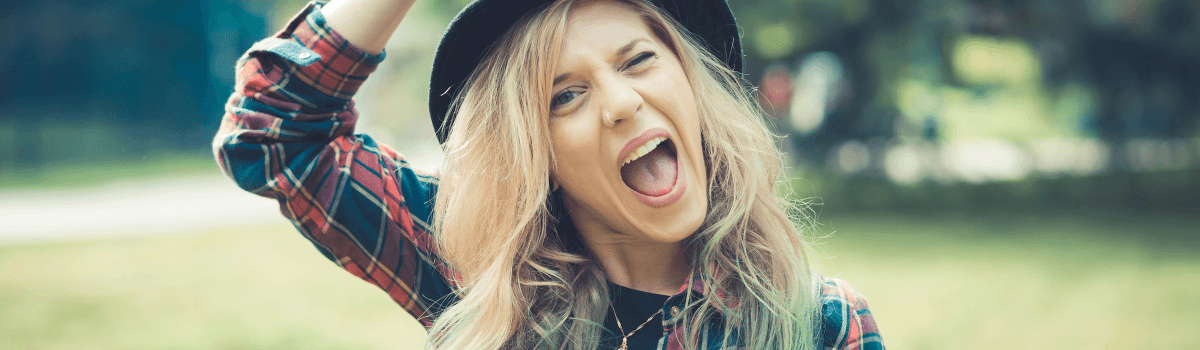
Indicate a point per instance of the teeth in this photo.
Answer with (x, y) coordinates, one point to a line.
(642, 150)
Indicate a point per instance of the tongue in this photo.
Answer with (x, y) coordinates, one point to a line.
(653, 174)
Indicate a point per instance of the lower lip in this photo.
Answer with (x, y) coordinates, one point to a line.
(673, 196)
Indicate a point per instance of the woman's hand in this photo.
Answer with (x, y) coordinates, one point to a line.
(367, 24)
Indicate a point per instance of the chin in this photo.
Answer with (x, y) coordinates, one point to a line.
(680, 229)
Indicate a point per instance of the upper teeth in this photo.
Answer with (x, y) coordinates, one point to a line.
(646, 148)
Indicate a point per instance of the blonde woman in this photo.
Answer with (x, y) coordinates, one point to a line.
(608, 182)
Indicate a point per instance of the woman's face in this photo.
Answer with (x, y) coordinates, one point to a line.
(620, 94)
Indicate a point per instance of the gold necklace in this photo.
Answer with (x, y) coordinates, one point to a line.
(625, 337)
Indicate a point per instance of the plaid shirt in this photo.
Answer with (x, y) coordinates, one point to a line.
(288, 134)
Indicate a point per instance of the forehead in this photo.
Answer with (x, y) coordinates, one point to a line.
(603, 26)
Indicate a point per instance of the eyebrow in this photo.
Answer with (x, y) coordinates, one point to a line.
(620, 52)
(625, 49)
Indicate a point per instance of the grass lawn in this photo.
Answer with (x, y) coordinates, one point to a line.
(996, 281)
(992, 281)
(244, 288)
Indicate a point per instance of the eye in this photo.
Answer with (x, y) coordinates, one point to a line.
(640, 59)
(563, 97)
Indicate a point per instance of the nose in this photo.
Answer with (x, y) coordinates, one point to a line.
(621, 102)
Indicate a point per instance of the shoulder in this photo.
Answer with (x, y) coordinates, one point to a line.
(846, 321)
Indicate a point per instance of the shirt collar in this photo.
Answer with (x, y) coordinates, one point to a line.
(697, 285)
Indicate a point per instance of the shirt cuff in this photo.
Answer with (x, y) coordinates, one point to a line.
(322, 58)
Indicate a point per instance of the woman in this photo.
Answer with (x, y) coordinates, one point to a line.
(606, 173)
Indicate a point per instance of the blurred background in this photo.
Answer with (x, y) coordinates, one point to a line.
(989, 173)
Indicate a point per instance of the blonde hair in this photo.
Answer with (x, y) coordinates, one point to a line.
(526, 283)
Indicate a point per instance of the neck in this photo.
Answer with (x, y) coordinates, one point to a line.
(634, 261)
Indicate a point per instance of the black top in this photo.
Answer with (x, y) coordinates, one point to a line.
(633, 307)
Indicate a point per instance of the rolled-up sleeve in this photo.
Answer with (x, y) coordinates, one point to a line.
(288, 134)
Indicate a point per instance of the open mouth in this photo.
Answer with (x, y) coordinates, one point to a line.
(652, 169)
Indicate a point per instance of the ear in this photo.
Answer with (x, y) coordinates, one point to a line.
(553, 185)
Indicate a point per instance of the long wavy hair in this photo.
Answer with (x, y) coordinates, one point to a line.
(524, 279)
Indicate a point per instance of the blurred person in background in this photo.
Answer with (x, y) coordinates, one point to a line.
(609, 180)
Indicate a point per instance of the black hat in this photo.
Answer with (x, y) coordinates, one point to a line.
(482, 22)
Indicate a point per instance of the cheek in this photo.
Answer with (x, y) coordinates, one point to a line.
(684, 108)
(574, 151)
(687, 102)
(674, 89)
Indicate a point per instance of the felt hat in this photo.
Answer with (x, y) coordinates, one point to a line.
(482, 22)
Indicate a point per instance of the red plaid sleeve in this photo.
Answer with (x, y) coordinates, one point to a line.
(847, 323)
(288, 134)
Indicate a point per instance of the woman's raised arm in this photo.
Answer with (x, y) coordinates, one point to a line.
(288, 134)
(366, 23)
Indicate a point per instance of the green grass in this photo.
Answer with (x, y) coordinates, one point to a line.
(990, 281)
(244, 288)
(1024, 281)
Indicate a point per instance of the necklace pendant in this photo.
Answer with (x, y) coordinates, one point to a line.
(623, 346)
